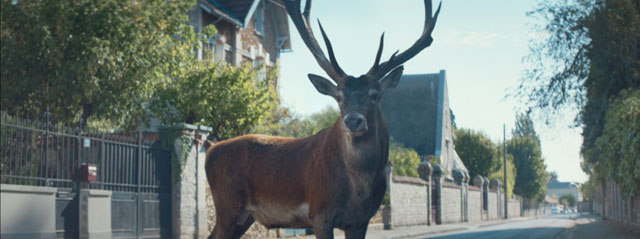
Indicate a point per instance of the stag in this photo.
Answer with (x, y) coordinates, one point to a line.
(334, 179)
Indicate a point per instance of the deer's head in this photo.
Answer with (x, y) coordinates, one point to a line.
(358, 97)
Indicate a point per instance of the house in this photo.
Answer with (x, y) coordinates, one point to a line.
(557, 189)
(418, 116)
(249, 31)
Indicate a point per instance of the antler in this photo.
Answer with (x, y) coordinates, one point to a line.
(302, 24)
(425, 40)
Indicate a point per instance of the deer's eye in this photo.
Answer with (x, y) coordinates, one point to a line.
(373, 96)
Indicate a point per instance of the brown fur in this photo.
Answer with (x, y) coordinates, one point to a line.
(340, 179)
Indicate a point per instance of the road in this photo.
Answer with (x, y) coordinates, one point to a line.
(549, 227)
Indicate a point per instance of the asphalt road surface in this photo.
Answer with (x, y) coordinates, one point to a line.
(548, 227)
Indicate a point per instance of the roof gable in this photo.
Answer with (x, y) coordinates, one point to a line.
(240, 11)
(411, 111)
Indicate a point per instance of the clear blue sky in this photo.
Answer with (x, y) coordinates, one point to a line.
(480, 44)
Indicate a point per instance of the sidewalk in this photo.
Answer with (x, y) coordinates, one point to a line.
(375, 230)
(588, 227)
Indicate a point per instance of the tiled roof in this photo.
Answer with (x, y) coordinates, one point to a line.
(556, 184)
(237, 9)
(410, 110)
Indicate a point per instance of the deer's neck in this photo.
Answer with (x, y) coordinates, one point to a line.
(367, 153)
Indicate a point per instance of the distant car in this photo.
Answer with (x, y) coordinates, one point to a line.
(555, 210)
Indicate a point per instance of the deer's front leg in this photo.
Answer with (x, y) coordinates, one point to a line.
(323, 227)
(357, 232)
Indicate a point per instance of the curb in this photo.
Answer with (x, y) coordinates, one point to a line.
(462, 226)
(420, 234)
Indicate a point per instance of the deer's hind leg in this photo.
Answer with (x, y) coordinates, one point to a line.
(231, 224)
(232, 218)
(242, 227)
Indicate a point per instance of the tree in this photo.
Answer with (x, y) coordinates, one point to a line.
(553, 176)
(532, 178)
(590, 56)
(90, 59)
(405, 161)
(477, 152)
(229, 99)
(524, 127)
(281, 121)
(588, 188)
(567, 200)
(525, 148)
(324, 119)
(512, 173)
(619, 144)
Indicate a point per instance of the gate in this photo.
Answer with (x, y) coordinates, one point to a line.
(134, 166)
(138, 174)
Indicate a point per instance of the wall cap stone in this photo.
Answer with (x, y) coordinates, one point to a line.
(450, 185)
(98, 192)
(27, 189)
(471, 187)
(405, 179)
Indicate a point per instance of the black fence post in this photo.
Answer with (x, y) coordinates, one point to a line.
(138, 181)
(47, 116)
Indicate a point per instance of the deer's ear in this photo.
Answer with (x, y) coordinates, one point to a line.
(323, 85)
(391, 80)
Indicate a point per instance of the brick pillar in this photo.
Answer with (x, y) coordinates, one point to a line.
(386, 210)
(495, 185)
(479, 182)
(189, 208)
(466, 196)
(425, 171)
(437, 178)
(458, 177)
(485, 188)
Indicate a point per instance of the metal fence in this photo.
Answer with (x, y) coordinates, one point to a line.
(41, 153)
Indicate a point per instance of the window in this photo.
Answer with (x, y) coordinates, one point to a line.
(258, 22)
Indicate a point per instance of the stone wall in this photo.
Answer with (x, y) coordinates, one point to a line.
(475, 205)
(451, 203)
(494, 209)
(408, 201)
(514, 208)
(610, 204)
(27, 211)
(456, 202)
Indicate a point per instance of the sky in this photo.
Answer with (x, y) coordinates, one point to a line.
(480, 45)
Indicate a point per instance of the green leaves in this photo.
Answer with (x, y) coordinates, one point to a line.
(586, 61)
(229, 99)
(512, 174)
(477, 152)
(118, 63)
(405, 160)
(532, 178)
(568, 200)
(282, 122)
(89, 61)
(620, 143)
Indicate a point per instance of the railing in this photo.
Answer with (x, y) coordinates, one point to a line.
(41, 153)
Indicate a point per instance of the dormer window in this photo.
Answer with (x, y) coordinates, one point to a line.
(258, 22)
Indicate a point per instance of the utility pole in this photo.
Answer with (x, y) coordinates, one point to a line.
(504, 163)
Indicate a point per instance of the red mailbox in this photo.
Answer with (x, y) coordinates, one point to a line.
(88, 172)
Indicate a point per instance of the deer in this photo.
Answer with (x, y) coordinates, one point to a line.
(333, 179)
